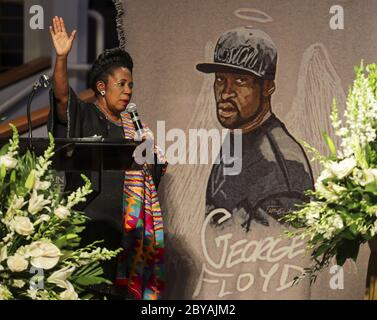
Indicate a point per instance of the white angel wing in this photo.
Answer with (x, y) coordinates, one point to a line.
(184, 200)
(186, 184)
(317, 85)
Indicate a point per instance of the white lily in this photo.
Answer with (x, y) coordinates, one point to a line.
(18, 202)
(22, 225)
(60, 277)
(41, 185)
(37, 202)
(69, 293)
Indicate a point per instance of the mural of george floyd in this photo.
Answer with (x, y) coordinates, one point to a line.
(224, 236)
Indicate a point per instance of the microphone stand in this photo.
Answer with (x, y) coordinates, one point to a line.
(30, 133)
(43, 82)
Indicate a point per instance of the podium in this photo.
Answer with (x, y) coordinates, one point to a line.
(82, 155)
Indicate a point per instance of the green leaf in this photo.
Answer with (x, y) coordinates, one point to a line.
(320, 251)
(90, 280)
(3, 172)
(30, 180)
(71, 236)
(329, 143)
(13, 177)
(87, 296)
(347, 234)
(353, 229)
(348, 249)
(372, 187)
(4, 150)
(92, 270)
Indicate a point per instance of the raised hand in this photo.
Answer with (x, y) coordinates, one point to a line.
(60, 38)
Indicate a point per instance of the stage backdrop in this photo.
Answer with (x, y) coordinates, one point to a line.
(318, 42)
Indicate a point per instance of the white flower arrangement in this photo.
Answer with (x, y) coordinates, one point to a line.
(342, 213)
(39, 232)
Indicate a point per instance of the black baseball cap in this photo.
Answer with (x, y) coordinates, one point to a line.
(244, 49)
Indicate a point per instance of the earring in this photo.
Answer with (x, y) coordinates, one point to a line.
(102, 93)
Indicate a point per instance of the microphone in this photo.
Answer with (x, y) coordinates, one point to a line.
(43, 82)
(132, 111)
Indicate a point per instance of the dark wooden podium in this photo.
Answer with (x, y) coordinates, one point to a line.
(82, 155)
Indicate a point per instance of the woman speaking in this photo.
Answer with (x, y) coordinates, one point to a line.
(126, 213)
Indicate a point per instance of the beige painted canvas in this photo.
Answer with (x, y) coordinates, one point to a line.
(318, 43)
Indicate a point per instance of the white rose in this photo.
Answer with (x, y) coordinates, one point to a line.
(343, 168)
(17, 263)
(60, 277)
(8, 162)
(22, 225)
(43, 254)
(36, 203)
(62, 212)
(69, 294)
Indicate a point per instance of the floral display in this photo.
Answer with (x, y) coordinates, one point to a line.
(40, 253)
(342, 211)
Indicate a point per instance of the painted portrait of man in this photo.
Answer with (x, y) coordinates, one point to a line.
(275, 170)
(276, 86)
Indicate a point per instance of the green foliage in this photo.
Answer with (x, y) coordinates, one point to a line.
(342, 212)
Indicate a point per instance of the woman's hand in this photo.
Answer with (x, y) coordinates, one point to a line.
(62, 42)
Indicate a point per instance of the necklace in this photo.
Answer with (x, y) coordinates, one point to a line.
(106, 116)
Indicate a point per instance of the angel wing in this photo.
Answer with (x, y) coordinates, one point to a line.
(186, 185)
(184, 200)
(317, 85)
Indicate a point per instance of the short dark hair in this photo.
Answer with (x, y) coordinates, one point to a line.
(105, 64)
